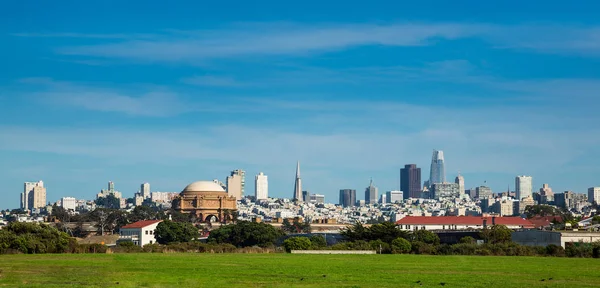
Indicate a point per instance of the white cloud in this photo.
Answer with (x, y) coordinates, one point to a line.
(289, 39)
(211, 81)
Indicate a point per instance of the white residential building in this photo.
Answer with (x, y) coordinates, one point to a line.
(394, 196)
(261, 186)
(523, 187)
(68, 203)
(236, 183)
(140, 233)
(145, 190)
(594, 195)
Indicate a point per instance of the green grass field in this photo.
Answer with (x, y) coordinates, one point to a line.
(286, 270)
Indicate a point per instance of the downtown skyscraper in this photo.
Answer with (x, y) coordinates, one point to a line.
(437, 174)
(371, 194)
(297, 185)
(410, 181)
(523, 186)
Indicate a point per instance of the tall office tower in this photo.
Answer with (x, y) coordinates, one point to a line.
(28, 196)
(298, 184)
(145, 188)
(565, 200)
(523, 187)
(261, 186)
(348, 197)
(236, 183)
(460, 180)
(394, 196)
(437, 173)
(594, 195)
(448, 191)
(111, 187)
(316, 198)
(371, 194)
(383, 198)
(546, 194)
(483, 192)
(306, 196)
(410, 181)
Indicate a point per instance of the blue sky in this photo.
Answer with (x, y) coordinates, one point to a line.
(170, 94)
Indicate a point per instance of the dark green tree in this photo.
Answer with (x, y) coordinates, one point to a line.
(426, 237)
(109, 202)
(140, 213)
(296, 226)
(175, 232)
(60, 213)
(496, 234)
(246, 234)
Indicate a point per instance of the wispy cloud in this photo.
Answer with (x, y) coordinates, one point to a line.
(83, 35)
(211, 81)
(292, 39)
(151, 103)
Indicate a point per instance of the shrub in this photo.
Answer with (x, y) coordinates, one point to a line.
(400, 245)
(91, 248)
(467, 240)
(425, 236)
(317, 242)
(380, 246)
(296, 243)
(419, 247)
(580, 250)
(555, 250)
(465, 248)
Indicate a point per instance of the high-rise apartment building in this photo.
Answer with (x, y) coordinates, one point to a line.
(410, 181)
(594, 195)
(523, 187)
(394, 196)
(348, 197)
(371, 194)
(460, 180)
(261, 186)
(236, 183)
(437, 173)
(68, 203)
(145, 190)
(33, 196)
(297, 184)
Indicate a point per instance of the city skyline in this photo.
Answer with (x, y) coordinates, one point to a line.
(95, 92)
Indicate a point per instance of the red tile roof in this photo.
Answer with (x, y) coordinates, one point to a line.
(141, 224)
(544, 221)
(463, 220)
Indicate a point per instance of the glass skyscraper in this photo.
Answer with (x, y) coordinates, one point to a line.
(437, 172)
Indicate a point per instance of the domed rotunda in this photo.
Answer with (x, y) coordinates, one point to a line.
(207, 200)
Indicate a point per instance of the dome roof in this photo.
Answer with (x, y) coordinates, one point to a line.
(203, 186)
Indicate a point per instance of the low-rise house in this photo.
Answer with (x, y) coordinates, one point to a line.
(140, 233)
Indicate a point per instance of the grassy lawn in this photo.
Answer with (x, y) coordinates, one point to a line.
(286, 270)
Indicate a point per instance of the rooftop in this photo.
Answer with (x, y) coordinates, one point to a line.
(463, 220)
(141, 224)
